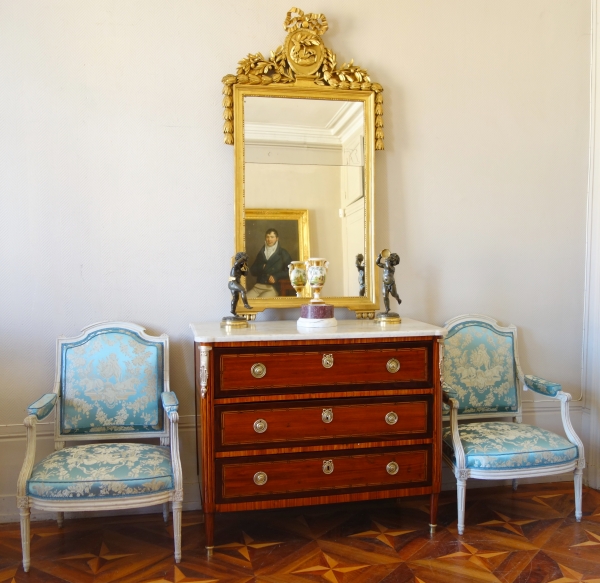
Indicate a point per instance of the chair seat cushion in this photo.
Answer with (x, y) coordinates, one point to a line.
(509, 446)
(106, 470)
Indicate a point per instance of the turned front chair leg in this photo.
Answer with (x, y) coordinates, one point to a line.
(177, 505)
(515, 484)
(60, 519)
(461, 487)
(166, 511)
(25, 537)
(578, 479)
(433, 511)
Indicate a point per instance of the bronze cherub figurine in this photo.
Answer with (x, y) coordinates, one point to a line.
(239, 269)
(388, 261)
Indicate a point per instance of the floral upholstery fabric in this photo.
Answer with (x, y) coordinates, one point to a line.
(498, 445)
(107, 470)
(111, 382)
(542, 386)
(170, 402)
(479, 368)
(43, 406)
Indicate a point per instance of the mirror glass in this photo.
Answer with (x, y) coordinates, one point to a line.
(306, 155)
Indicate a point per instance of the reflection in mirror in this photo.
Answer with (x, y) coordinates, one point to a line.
(309, 154)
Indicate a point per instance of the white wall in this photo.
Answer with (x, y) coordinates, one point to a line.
(116, 191)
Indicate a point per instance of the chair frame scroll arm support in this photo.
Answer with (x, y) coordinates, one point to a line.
(574, 439)
(30, 423)
(177, 478)
(459, 452)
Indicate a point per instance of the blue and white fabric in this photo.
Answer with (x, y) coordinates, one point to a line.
(111, 382)
(107, 470)
(43, 406)
(503, 445)
(479, 368)
(542, 386)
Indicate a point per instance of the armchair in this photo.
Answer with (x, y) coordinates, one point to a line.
(111, 387)
(481, 378)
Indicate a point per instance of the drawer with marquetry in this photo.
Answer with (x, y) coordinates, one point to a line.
(322, 473)
(305, 422)
(252, 371)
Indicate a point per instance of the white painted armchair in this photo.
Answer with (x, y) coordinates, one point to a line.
(111, 384)
(482, 379)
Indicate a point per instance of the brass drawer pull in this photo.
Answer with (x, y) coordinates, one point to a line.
(392, 468)
(327, 415)
(258, 370)
(260, 478)
(391, 418)
(260, 426)
(328, 466)
(393, 365)
(327, 360)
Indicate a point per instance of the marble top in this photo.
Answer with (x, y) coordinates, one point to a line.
(287, 330)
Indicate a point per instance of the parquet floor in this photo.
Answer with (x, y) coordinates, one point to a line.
(528, 536)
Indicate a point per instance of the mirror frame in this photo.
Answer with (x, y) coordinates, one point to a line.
(284, 76)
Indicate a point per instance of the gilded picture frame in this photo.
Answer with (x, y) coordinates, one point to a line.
(291, 228)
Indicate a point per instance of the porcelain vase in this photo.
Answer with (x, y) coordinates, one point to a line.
(316, 268)
(298, 276)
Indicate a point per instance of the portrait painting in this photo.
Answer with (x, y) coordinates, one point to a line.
(274, 238)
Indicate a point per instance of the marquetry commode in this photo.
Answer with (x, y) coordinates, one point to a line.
(288, 418)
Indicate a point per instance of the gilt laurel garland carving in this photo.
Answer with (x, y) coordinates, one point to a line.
(302, 57)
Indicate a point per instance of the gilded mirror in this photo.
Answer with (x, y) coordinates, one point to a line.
(305, 134)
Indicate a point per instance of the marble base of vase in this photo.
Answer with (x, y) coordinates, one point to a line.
(387, 318)
(316, 316)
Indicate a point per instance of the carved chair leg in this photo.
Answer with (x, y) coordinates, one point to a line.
(166, 511)
(461, 487)
(60, 519)
(515, 484)
(177, 529)
(578, 479)
(25, 537)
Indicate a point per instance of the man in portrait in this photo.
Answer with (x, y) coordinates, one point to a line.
(270, 266)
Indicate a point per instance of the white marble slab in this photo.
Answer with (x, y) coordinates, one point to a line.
(288, 330)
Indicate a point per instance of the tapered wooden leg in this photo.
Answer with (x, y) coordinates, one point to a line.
(60, 519)
(433, 511)
(25, 537)
(515, 484)
(209, 529)
(177, 505)
(166, 511)
(578, 483)
(461, 487)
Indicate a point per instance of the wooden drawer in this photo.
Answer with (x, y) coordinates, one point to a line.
(381, 418)
(376, 470)
(337, 366)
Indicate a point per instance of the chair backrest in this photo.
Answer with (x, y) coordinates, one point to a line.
(481, 367)
(109, 381)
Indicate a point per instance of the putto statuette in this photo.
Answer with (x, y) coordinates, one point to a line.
(239, 269)
(388, 261)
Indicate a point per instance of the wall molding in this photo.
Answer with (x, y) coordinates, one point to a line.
(591, 330)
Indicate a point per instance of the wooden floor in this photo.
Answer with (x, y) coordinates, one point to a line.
(527, 536)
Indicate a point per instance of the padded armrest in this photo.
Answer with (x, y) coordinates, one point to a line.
(43, 406)
(542, 386)
(169, 401)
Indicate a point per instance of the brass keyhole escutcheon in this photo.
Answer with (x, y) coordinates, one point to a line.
(391, 418)
(327, 360)
(327, 466)
(260, 478)
(393, 365)
(260, 426)
(392, 468)
(327, 415)
(258, 370)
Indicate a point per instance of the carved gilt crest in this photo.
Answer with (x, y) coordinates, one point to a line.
(303, 59)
